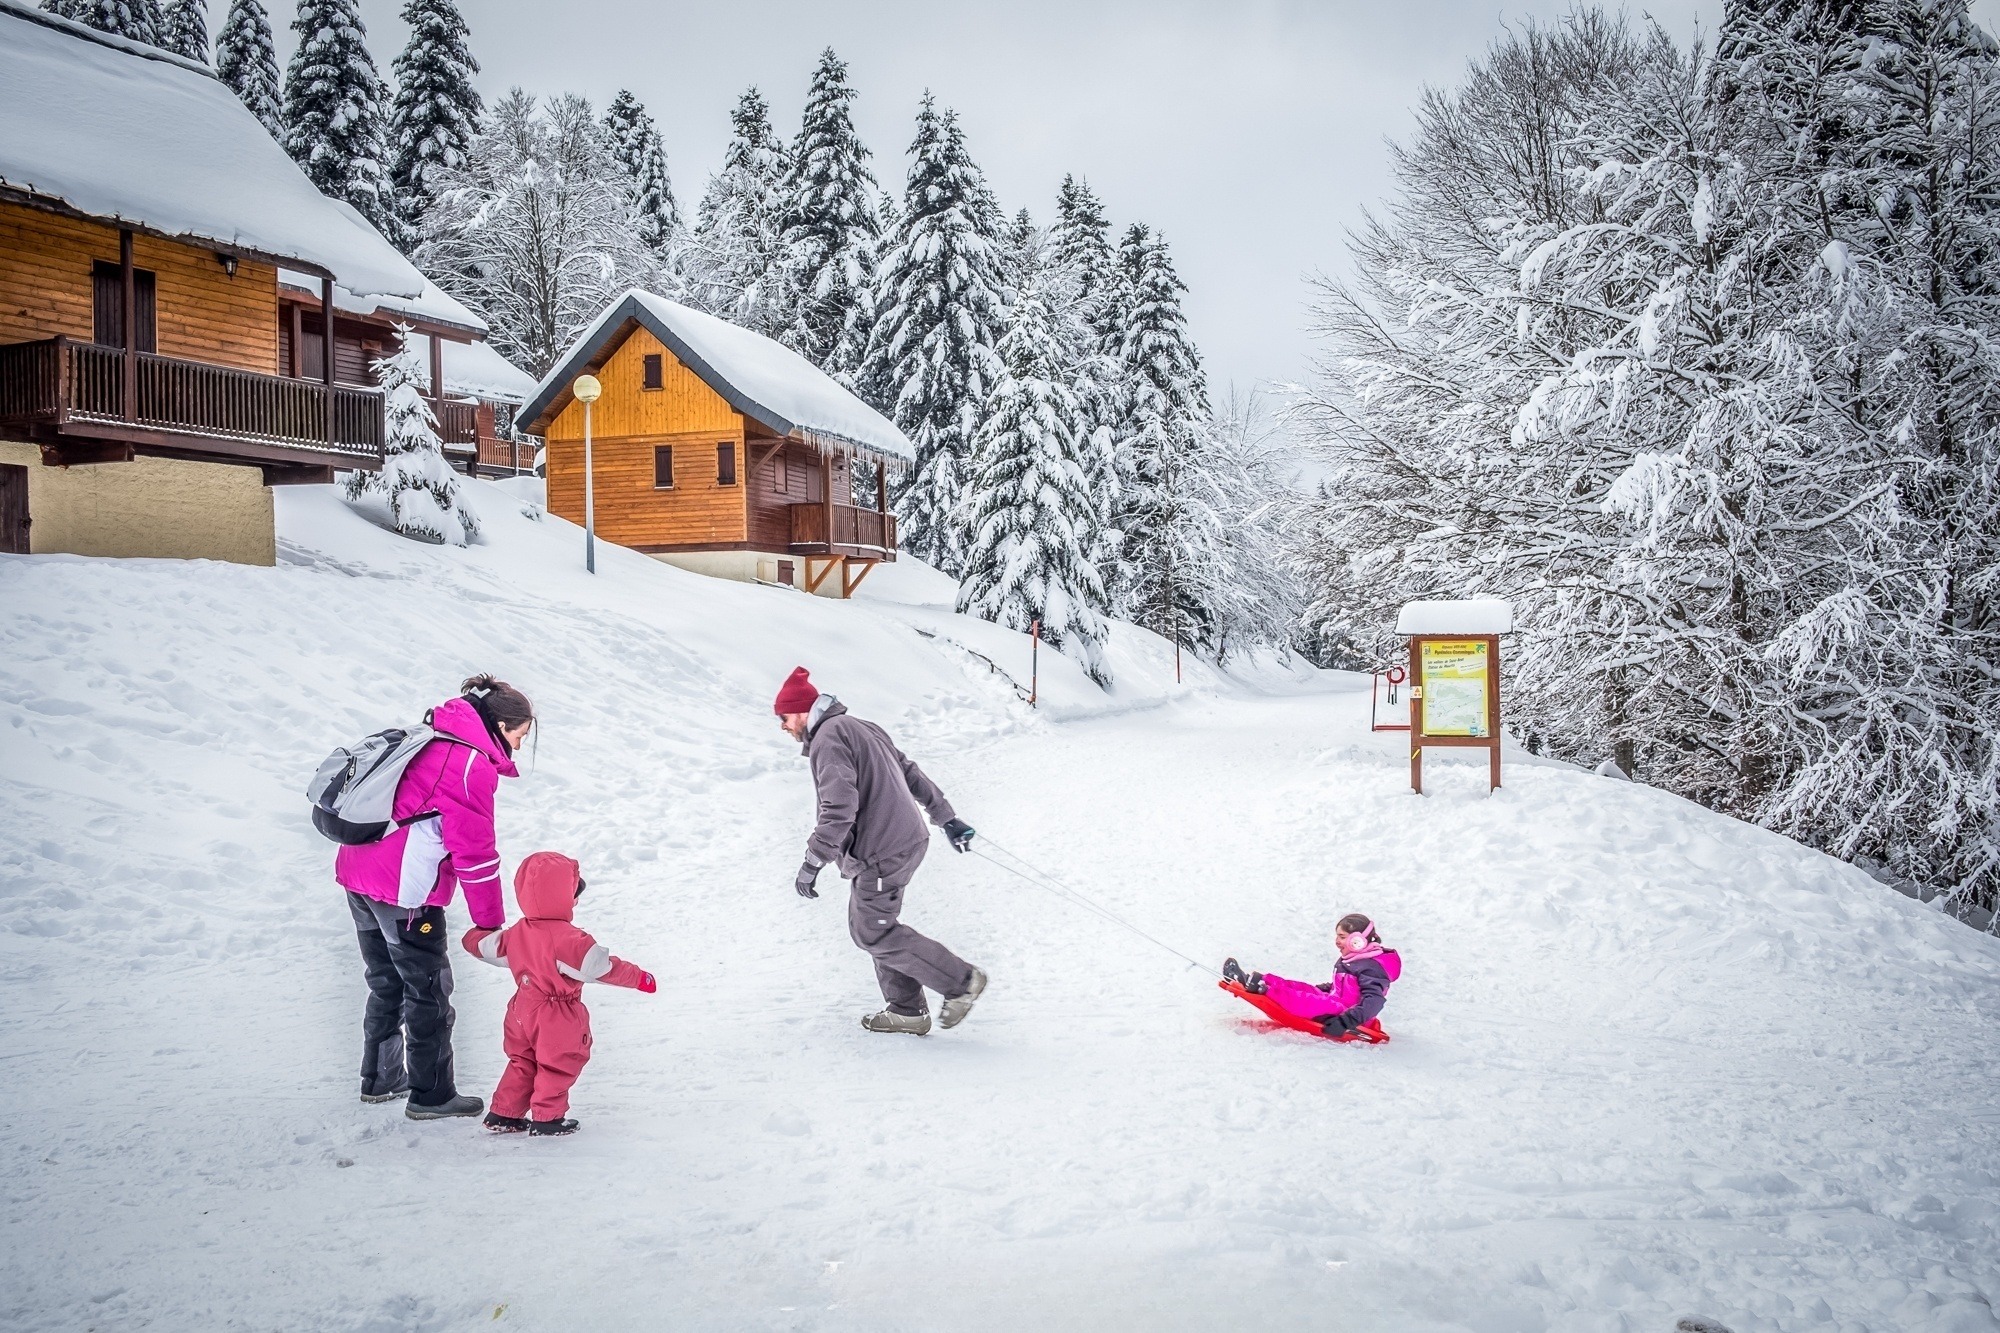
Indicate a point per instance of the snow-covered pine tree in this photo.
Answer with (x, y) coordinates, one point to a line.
(1167, 516)
(731, 265)
(940, 309)
(1032, 514)
(436, 112)
(68, 9)
(1020, 251)
(246, 60)
(136, 20)
(636, 144)
(333, 110)
(1085, 287)
(831, 230)
(422, 490)
(1080, 244)
(184, 29)
(532, 232)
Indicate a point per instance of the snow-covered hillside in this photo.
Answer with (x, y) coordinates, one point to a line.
(1648, 1061)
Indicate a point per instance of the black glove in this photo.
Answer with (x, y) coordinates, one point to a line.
(959, 832)
(1339, 1025)
(807, 874)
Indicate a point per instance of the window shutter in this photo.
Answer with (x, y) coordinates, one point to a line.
(725, 464)
(656, 375)
(663, 466)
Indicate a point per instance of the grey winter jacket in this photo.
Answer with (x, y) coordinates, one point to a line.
(868, 819)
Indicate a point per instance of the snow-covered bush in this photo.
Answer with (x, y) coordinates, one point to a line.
(421, 488)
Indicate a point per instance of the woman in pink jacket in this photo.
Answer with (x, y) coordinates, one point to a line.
(397, 890)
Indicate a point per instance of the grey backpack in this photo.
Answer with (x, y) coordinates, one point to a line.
(354, 791)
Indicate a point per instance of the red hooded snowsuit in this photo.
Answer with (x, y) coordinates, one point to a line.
(547, 1034)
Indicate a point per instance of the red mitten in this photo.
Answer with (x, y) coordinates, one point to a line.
(647, 984)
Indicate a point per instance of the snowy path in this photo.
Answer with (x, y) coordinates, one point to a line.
(1647, 1061)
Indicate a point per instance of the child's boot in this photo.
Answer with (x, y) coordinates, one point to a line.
(1253, 982)
(543, 1129)
(505, 1124)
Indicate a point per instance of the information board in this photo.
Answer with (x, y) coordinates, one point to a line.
(1455, 684)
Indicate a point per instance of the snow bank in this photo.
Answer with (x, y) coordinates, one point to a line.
(116, 130)
(1648, 1061)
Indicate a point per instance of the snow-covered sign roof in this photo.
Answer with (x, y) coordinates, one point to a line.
(764, 380)
(111, 129)
(1473, 615)
(433, 305)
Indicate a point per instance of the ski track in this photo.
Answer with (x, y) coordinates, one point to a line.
(1647, 1061)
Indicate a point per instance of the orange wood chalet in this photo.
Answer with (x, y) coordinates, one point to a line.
(719, 450)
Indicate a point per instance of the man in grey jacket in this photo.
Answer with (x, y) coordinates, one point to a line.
(870, 825)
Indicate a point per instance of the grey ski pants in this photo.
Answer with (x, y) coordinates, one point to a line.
(905, 962)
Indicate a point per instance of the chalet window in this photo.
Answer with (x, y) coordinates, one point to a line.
(107, 306)
(663, 467)
(656, 374)
(779, 479)
(725, 465)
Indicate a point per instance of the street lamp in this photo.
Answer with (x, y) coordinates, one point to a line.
(587, 391)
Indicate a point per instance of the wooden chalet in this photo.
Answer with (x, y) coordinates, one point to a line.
(155, 381)
(719, 450)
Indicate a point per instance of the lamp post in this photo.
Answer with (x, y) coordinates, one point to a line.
(587, 391)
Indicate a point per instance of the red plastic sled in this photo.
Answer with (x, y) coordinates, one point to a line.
(1370, 1032)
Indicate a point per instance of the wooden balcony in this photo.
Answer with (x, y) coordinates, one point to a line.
(858, 533)
(458, 426)
(87, 403)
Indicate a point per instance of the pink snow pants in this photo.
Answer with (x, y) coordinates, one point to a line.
(1307, 1000)
(548, 1044)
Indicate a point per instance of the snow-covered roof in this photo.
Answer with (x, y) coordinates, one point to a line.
(760, 378)
(112, 129)
(477, 370)
(1473, 615)
(432, 305)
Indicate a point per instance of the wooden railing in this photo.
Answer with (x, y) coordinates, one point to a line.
(852, 526)
(61, 381)
(457, 425)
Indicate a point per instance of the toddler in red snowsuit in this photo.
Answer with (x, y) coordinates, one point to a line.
(547, 1029)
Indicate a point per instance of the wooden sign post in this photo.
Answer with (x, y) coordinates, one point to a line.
(1455, 678)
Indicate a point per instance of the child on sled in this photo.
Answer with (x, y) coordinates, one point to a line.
(1345, 1008)
(547, 1033)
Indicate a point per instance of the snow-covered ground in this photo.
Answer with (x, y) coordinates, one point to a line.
(1648, 1061)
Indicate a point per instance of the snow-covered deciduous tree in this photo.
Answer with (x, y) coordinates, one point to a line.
(436, 113)
(940, 313)
(532, 232)
(831, 230)
(246, 60)
(333, 110)
(184, 29)
(1032, 516)
(421, 489)
(637, 147)
(731, 265)
(1689, 354)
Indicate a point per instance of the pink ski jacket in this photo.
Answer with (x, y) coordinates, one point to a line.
(420, 864)
(548, 954)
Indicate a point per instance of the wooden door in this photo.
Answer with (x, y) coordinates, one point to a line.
(107, 288)
(13, 509)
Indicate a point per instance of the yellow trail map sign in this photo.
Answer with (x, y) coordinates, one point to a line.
(1454, 680)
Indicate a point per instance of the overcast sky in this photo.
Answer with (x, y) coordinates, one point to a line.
(1249, 133)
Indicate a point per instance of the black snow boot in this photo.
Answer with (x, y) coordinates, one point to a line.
(1249, 981)
(543, 1129)
(457, 1106)
(505, 1124)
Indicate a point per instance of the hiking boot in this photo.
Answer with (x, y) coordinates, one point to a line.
(887, 1021)
(954, 1010)
(460, 1105)
(544, 1129)
(505, 1124)
(376, 1098)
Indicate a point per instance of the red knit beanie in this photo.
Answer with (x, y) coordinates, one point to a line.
(796, 695)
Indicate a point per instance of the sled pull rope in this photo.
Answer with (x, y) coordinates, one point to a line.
(1048, 883)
